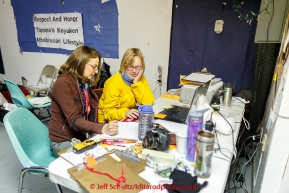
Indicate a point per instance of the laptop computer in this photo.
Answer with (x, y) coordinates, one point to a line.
(179, 114)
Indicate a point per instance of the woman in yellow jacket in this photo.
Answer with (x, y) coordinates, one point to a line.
(125, 89)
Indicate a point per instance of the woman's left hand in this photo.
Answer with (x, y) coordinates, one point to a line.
(132, 114)
(138, 77)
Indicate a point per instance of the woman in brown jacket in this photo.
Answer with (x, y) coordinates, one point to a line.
(74, 104)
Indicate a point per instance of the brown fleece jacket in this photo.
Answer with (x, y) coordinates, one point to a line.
(67, 113)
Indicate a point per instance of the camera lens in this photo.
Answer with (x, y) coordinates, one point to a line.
(148, 142)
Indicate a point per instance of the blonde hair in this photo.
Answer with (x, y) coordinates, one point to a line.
(128, 58)
(76, 62)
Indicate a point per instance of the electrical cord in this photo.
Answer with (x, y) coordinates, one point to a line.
(235, 152)
(220, 149)
(238, 155)
(243, 145)
(248, 160)
(243, 168)
(156, 89)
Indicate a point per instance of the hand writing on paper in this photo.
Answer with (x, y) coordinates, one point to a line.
(110, 128)
(132, 113)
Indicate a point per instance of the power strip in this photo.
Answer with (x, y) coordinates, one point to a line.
(159, 78)
(162, 157)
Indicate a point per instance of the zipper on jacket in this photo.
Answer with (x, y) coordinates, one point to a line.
(63, 126)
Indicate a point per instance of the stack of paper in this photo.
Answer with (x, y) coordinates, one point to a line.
(126, 130)
(196, 78)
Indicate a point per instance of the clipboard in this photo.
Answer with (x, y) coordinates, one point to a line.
(97, 183)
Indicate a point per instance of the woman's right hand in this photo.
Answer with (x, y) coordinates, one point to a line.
(132, 113)
(110, 128)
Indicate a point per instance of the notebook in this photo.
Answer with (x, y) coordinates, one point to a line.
(180, 114)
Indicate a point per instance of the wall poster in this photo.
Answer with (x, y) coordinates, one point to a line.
(53, 26)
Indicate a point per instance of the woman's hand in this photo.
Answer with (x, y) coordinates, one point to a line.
(110, 128)
(132, 113)
(138, 77)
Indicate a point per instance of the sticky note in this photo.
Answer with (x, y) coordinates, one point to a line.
(167, 107)
(160, 116)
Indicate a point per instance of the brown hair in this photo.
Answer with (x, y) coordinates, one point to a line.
(76, 62)
(128, 58)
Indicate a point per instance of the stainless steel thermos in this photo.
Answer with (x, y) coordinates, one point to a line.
(227, 94)
(204, 153)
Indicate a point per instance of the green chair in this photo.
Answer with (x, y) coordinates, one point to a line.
(20, 100)
(29, 137)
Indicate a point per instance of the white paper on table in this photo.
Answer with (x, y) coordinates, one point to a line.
(199, 77)
(76, 159)
(126, 130)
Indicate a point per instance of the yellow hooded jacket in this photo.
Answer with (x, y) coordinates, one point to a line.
(118, 97)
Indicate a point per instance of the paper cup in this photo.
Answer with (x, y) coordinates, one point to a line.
(181, 141)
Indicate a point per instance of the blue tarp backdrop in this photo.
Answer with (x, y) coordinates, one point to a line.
(229, 55)
(94, 13)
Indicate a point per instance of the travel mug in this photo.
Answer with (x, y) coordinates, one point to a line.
(227, 94)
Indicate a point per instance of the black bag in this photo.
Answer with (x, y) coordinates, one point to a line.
(105, 74)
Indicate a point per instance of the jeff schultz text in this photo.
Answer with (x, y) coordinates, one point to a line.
(144, 186)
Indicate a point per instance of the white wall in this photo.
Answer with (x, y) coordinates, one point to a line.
(145, 24)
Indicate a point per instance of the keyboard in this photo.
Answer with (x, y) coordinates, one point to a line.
(180, 114)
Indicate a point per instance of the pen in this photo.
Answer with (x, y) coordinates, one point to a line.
(110, 141)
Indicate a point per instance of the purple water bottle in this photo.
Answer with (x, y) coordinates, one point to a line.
(195, 123)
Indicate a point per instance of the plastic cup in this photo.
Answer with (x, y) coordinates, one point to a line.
(181, 141)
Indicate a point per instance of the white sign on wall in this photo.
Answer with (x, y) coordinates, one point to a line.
(58, 30)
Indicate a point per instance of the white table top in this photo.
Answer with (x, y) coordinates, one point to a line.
(219, 170)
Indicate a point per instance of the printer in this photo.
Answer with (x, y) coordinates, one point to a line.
(188, 91)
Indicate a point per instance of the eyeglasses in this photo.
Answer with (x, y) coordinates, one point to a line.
(94, 67)
(130, 68)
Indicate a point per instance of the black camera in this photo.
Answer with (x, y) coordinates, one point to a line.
(157, 139)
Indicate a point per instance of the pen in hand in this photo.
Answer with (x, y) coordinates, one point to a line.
(110, 128)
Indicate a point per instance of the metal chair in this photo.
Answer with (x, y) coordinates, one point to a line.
(20, 100)
(29, 137)
(49, 71)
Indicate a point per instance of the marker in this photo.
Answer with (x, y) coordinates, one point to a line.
(114, 140)
(120, 145)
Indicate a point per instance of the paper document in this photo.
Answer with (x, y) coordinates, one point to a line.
(126, 130)
(199, 77)
(39, 100)
(76, 159)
